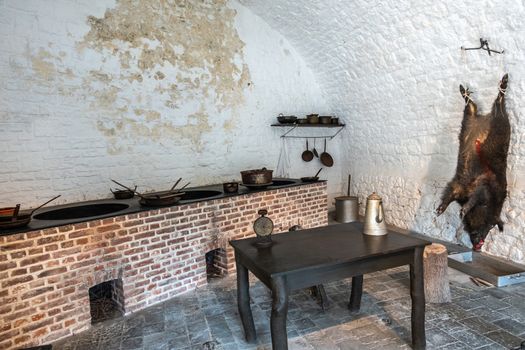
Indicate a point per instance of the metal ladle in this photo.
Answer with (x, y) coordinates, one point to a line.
(315, 151)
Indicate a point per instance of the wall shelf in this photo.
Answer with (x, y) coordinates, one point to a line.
(293, 127)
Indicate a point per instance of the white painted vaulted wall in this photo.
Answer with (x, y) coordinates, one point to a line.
(74, 111)
(393, 68)
(143, 92)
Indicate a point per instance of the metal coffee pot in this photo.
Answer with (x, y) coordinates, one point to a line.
(374, 216)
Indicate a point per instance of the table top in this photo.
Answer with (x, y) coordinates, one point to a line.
(322, 246)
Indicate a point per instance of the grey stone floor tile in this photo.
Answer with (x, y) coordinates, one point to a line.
(498, 293)
(154, 328)
(447, 325)
(179, 343)
(491, 315)
(477, 318)
(479, 325)
(133, 331)
(158, 341)
(87, 346)
(493, 346)
(505, 338)
(437, 338)
(199, 336)
(176, 330)
(454, 346)
(511, 326)
(472, 338)
(131, 343)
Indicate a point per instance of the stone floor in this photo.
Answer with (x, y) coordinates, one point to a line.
(477, 318)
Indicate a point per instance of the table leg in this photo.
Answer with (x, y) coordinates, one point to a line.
(319, 294)
(417, 293)
(279, 311)
(323, 297)
(355, 295)
(243, 302)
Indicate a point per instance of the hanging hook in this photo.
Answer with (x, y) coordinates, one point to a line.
(484, 45)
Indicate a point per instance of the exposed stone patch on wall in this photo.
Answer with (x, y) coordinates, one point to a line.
(191, 51)
(194, 100)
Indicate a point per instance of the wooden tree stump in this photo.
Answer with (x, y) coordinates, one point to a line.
(435, 262)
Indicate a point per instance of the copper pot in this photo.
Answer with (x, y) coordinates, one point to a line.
(256, 176)
(325, 119)
(313, 118)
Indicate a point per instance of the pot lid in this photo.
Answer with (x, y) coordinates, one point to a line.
(374, 197)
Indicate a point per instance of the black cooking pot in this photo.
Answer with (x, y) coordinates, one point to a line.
(310, 179)
(123, 194)
(230, 187)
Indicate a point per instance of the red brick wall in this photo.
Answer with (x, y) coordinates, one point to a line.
(45, 275)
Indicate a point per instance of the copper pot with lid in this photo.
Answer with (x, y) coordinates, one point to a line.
(256, 176)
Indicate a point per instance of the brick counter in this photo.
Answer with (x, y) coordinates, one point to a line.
(45, 275)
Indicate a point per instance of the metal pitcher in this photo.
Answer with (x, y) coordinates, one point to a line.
(374, 216)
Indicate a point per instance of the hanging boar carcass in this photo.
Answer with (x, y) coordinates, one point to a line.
(480, 182)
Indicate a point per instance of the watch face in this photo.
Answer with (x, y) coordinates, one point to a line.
(263, 226)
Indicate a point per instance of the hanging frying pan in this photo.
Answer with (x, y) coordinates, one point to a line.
(307, 155)
(326, 158)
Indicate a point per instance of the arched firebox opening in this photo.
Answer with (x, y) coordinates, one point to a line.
(106, 300)
(216, 264)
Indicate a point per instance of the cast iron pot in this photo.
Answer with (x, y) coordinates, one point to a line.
(123, 194)
(256, 176)
(325, 119)
(286, 119)
(230, 187)
(313, 118)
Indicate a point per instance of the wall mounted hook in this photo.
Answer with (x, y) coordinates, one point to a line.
(484, 45)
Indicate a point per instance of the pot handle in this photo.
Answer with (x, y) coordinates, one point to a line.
(379, 217)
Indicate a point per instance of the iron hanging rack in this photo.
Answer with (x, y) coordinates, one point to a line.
(295, 126)
(484, 45)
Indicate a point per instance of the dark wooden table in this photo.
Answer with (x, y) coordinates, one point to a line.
(306, 258)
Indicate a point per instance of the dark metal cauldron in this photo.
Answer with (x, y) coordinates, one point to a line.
(256, 176)
(230, 187)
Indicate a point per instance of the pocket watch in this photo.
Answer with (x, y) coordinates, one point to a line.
(263, 227)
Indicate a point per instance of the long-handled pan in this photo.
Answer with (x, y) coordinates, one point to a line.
(157, 199)
(19, 218)
(314, 178)
(307, 155)
(326, 158)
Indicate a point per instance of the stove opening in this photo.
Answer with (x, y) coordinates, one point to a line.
(106, 301)
(216, 263)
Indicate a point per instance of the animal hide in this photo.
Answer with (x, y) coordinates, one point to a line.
(480, 182)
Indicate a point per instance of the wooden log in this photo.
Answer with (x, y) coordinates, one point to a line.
(435, 262)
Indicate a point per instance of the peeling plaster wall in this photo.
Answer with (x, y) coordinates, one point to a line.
(392, 70)
(143, 92)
